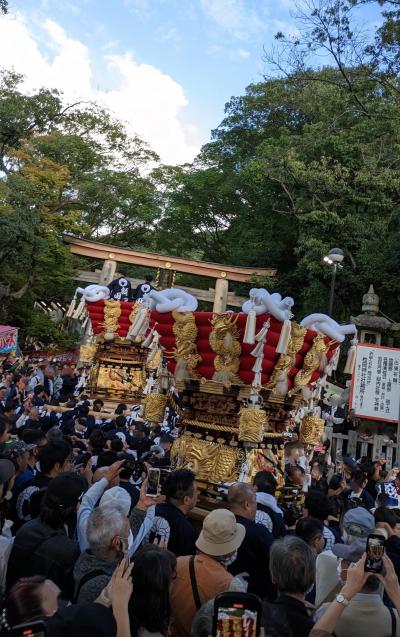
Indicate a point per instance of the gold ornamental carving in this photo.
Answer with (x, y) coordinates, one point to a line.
(154, 407)
(212, 461)
(252, 424)
(87, 353)
(224, 340)
(286, 361)
(185, 352)
(311, 363)
(311, 430)
(269, 459)
(112, 312)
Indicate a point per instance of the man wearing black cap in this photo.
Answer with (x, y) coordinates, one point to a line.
(42, 546)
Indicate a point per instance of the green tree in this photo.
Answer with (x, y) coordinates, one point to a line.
(302, 163)
(65, 169)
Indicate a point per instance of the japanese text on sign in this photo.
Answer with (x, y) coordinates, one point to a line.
(375, 391)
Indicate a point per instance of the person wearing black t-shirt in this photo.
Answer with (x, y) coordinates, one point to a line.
(143, 289)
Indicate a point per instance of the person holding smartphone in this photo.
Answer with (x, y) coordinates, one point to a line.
(359, 609)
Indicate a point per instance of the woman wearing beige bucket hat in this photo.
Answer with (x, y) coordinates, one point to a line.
(201, 577)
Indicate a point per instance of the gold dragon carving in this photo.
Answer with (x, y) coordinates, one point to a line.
(224, 340)
(154, 407)
(112, 312)
(185, 352)
(311, 362)
(311, 430)
(252, 424)
(211, 461)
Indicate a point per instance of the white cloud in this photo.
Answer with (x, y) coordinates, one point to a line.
(112, 44)
(242, 54)
(148, 100)
(169, 34)
(234, 17)
(140, 7)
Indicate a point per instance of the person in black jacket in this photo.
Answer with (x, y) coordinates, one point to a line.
(264, 484)
(292, 565)
(180, 490)
(42, 546)
(253, 554)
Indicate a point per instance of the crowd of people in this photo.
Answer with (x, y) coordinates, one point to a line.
(84, 550)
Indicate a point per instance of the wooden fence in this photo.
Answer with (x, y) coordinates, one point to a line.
(356, 446)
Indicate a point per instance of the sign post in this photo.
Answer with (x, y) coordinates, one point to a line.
(375, 388)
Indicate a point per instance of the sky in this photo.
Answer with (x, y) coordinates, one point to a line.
(165, 67)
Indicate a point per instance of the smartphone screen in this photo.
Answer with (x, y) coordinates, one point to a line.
(375, 551)
(153, 481)
(33, 629)
(236, 615)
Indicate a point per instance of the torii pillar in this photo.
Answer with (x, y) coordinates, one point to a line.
(108, 272)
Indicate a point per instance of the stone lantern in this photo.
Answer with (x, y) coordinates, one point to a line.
(371, 324)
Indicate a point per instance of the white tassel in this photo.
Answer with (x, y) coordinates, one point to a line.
(148, 340)
(262, 334)
(335, 359)
(71, 307)
(144, 326)
(138, 322)
(250, 330)
(257, 380)
(257, 367)
(79, 310)
(258, 350)
(258, 353)
(85, 322)
(284, 337)
(351, 357)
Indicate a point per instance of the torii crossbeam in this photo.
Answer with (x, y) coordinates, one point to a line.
(111, 255)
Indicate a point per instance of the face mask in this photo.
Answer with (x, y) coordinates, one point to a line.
(227, 561)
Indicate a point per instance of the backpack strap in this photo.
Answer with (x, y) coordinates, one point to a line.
(193, 582)
(85, 579)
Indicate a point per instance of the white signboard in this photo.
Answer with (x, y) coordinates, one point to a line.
(375, 388)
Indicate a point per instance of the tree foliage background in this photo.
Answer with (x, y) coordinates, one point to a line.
(306, 160)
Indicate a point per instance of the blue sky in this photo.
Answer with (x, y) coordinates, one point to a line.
(187, 56)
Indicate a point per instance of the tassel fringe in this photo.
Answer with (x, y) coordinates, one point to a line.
(284, 337)
(250, 330)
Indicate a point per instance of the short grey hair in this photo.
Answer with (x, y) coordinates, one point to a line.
(292, 565)
(203, 620)
(103, 525)
(239, 493)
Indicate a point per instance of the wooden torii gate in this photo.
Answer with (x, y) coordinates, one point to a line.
(111, 255)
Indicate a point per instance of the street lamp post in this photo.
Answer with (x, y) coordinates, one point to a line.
(334, 258)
